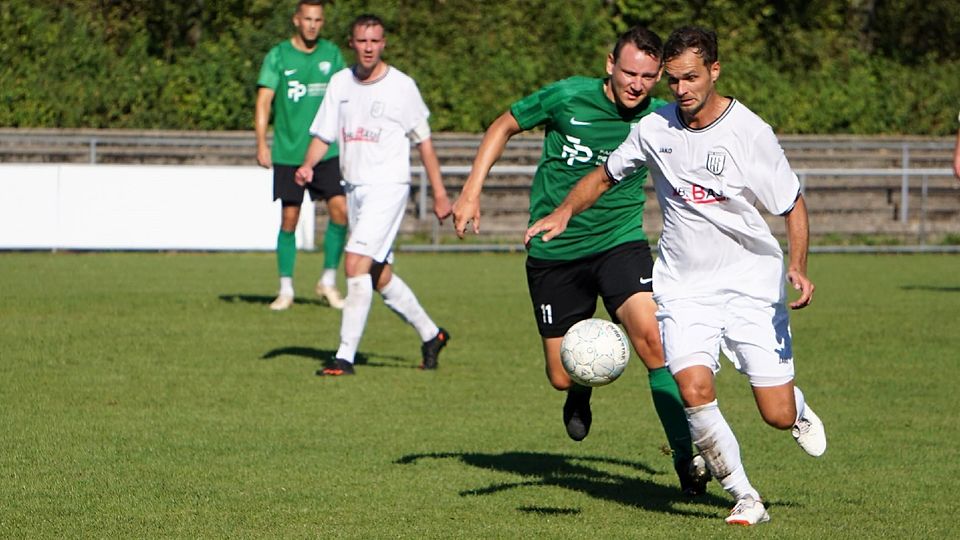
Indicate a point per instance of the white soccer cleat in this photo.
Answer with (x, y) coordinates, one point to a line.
(810, 434)
(331, 294)
(283, 301)
(748, 511)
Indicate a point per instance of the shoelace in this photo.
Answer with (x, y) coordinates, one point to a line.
(802, 426)
(741, 506)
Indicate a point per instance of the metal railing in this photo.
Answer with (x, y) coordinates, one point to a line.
(241, 143)
(904, 173)
(908, 178)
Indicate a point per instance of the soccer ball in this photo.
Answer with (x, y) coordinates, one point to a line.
(594, 352)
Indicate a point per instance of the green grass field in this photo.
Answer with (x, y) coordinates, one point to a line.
(153, 395)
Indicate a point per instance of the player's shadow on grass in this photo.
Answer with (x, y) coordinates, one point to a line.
(326, 357)
(929, 288)
(266, 300)
(585, 474)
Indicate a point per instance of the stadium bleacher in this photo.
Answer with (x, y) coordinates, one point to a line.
(898, 188)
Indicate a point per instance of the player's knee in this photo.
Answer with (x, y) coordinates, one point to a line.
(355, 264)
(560, 381)
(337, 207)
(696, 392)
(695, 396)
(780, 419)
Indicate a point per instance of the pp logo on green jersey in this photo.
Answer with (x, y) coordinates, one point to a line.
(577, 152)
(296, 90)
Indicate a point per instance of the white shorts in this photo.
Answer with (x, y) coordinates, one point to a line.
(375, 212)
(754, 336)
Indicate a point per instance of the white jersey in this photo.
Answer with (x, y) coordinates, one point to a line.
(708, 180)
(372, 121)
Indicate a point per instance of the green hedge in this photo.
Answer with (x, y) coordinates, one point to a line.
(193, 65)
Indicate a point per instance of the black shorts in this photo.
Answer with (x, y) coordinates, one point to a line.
(565, 292)
(325, 185)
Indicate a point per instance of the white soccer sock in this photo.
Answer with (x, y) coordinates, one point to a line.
(286, 286)
(353, 319)
(398, 297)
(719, 448)
(329, 277)
(801, 403)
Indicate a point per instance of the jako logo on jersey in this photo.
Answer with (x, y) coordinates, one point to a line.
(324, 67)
(361, 135)
(715, 162)
(577, 152)
(665, 150)
(295, 90)
(699, 195)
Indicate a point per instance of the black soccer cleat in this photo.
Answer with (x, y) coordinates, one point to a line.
(339, 367)
(576, 413)
(694, 476)
(430, 350)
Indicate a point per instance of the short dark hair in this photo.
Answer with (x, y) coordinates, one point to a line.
(645, 40)
(702, 40)
(302, 3)
(367, 19)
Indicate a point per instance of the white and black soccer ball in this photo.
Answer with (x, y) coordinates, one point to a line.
(594, 352)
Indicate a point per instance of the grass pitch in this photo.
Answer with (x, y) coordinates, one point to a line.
(152, 395)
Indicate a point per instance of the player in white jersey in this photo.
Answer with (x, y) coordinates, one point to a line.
(374, 111)
(956, 154)
(719, 279)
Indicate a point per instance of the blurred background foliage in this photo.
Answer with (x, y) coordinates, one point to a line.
(823, 67)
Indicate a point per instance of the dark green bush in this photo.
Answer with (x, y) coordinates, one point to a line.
(812, 67)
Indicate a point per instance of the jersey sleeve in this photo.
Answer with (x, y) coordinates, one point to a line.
(324, 126)
(539, 107)
(771, 179)
(338, 62)
(414, 113)
(269, 76)
(528, 112)
(627, 158)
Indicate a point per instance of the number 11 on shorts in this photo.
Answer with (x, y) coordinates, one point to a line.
(546, 313)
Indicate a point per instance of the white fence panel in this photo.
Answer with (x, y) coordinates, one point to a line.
(142, 207)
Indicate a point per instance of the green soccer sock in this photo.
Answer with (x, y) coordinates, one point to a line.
(666, 399)
(333, 241)
(286, 252)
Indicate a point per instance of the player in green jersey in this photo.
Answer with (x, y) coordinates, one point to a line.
(293, 80)
(604, 251)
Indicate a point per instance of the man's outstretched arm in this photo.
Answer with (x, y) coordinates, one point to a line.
(467, 207)
(582, 196)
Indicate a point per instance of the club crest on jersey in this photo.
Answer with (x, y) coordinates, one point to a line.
(376, 110)
(716, 161)
(324, 67)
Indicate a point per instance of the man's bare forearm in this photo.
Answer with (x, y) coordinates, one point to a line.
(798, 235)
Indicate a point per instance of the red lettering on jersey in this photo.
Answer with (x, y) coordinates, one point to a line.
(698, 194)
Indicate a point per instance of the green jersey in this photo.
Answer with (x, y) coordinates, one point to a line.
(299, 81)
(582, 128)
